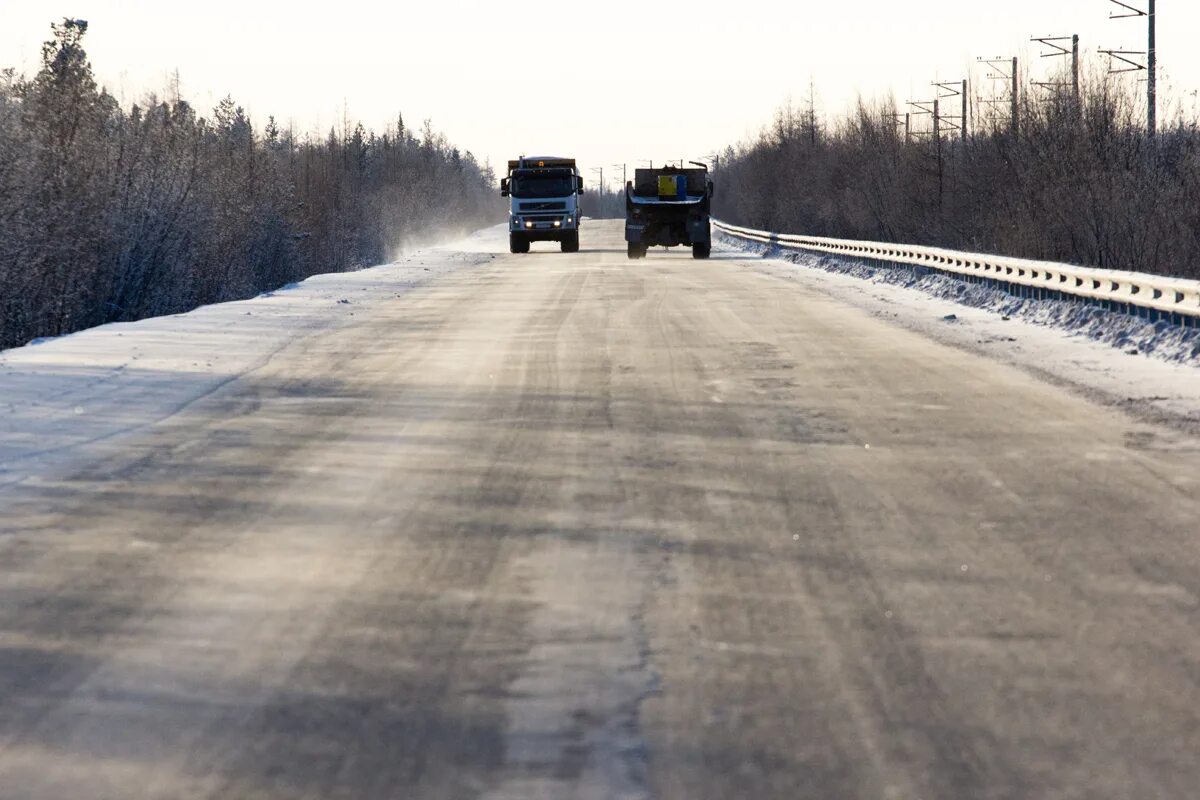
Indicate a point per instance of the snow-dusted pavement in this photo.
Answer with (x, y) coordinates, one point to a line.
(571, 526)
(1150, 369)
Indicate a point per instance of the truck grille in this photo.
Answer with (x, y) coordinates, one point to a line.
(560, 206)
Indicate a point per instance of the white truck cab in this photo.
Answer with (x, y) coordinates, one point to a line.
(544, 205)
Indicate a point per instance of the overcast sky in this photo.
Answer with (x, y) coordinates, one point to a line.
(607, 82)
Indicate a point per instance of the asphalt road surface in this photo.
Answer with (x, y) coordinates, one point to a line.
(573, 526)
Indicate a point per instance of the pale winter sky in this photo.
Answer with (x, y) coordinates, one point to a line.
(609, 82)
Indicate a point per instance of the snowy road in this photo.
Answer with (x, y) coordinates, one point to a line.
(570, 526)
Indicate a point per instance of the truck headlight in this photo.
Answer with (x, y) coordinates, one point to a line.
(557, 223)
(528, 224)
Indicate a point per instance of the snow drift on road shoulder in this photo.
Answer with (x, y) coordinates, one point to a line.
(59, 394)
(1161, 339)
(1151, 369)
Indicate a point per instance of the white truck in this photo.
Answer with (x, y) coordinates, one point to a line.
(544, 192)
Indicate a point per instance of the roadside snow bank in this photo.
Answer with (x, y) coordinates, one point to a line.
(57, 395)
(1159, 339)
(1099, 354)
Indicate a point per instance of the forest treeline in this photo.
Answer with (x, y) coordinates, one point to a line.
(113, 214)
(1076, 180)
(605, 204)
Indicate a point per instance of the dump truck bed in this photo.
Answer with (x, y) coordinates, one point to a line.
(645, 181)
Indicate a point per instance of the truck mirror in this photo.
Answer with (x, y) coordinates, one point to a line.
(711, 190)
(504, 187)
(579, 183)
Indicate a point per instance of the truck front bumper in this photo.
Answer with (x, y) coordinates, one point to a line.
(542, 224)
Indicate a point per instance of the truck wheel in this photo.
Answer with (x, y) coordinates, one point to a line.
(701, 250)
(570, 243)
(517, 243)
(635, 251)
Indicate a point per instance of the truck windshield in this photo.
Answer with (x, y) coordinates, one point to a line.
(543, 185)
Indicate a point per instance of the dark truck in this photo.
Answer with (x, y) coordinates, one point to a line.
(669, 206)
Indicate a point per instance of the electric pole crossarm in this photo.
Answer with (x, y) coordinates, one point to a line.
(1133, 12)
(1123, 57)
(948, 89)
(1058, 50)
(1052, 42)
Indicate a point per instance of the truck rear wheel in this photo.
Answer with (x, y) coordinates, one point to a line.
(517, 243)
(636, 251)
(701, 250)
(570, 242)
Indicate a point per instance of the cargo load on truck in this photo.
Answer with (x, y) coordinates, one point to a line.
(668, 207)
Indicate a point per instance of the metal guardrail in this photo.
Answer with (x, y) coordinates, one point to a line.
(1159, 296)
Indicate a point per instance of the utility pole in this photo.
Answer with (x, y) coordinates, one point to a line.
(1058, 50)
(895, 118)
(601, 171)
(1127, 58)
(1016, 88)
(932, 108)
(937, 138)
(1074, 68)
(966, 119)
(812, 112)
(920, 108)
(946, 90)
(1152, 66)
(1003, 70)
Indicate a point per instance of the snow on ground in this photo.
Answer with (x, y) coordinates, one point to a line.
(57, 395)
(1152, 370)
